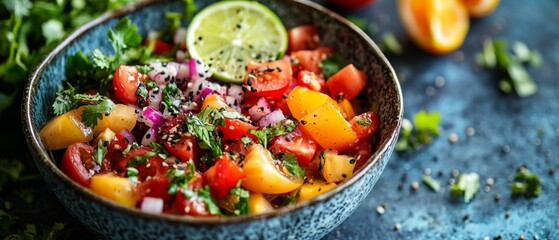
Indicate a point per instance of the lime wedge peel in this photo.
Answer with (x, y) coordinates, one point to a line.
(227, 35)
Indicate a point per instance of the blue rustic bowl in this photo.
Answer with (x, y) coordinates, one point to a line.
(308, 220)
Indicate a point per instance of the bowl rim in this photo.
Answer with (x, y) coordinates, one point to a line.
(42, 156)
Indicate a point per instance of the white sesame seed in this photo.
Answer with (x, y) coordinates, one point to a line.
(453, 138)
(470, 131)
(439, 81)
(430, 91)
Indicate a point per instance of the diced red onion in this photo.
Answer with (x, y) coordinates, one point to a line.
(272, 118)
(127, 135)
(259, 110)
(236, 91)
(180, 36)
(152, 205)
(150, 136)
(203, 94)
(151, 116)
(192, 67)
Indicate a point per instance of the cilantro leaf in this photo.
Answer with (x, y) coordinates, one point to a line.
(179, 178)
(266, 134)
(136, 160)
(290, 162)
(211, 204)
(64, 101)
(241, 206)
(467, 185)
(170, 96)
(288, 200)
(124, 36)
(332, 64)
(425, 126)
(92, 113)
(99, 152)
(205, 134)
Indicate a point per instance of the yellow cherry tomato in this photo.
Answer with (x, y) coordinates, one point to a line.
(119, 118)
(480, 8)
(311, 190)
(115, 188)
(64, 130)
(264, 176)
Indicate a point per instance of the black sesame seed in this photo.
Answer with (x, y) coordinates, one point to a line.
(344, 175)
(303, 122)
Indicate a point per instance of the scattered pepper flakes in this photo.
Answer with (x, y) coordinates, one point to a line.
(506, 149)
(498, 237)
(521, 237)
(454, 173)
(507, 214)
(490, 181)
(470, 131)
(439, 81)
(430, 91)
(453, 138)
(414, 186)
(380, 210)
(427, 171)
(458, 56)
(497, 197)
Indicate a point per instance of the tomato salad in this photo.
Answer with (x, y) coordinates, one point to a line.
(173, 141)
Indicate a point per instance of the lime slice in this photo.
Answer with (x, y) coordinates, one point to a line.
(227, 35)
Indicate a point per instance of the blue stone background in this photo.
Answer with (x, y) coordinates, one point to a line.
(469, 98)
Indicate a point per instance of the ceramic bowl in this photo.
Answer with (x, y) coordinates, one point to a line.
(308, 220)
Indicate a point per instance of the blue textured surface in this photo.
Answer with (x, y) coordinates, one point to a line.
(470, 98)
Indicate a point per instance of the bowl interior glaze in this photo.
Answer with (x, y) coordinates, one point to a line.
(310, 219)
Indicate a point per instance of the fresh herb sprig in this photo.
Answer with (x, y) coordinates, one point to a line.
(511, 64)
(526, 183)
(96, 105)
(426, 128)
(266, 134)
(466, 185)
(290, 162)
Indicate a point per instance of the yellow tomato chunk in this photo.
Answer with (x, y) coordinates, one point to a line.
(347, 109)
(121, 117)
(311, 190)
(337, 168)
(115, 188)
(328, 127)
(301, 101)
(64, 130)
(105, 136)
(257, 204)
(263, 176)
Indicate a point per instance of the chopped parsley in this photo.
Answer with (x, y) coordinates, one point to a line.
(426, 128)
(290, 199)
(511, 64)
(241, 206)
(526, 183)
(290, 162)
(170, 97)
(160, 150)
(266, 134)
(179, 178)
(132, 174)
(466, 185)
(363, 122)
(332, 64)
(431, 183)
(136, 160)
(211, 204)
(205, 133)
(99, 152)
